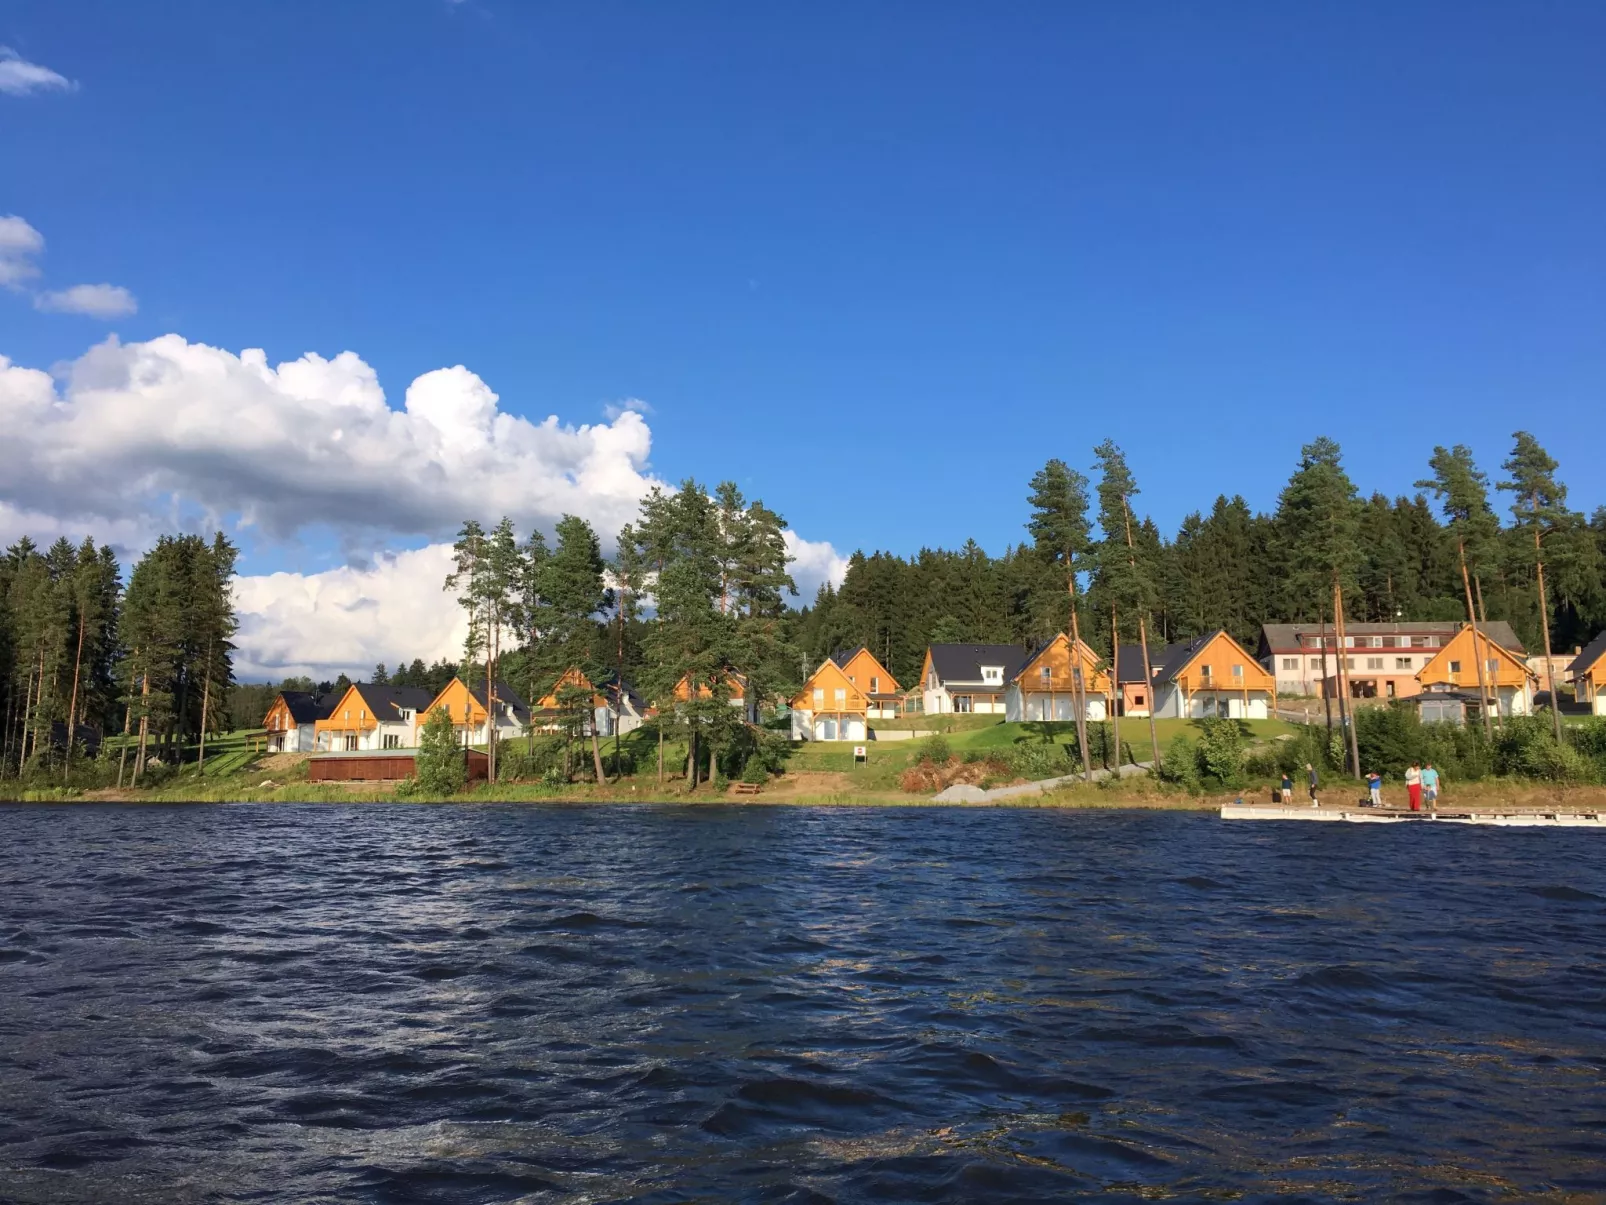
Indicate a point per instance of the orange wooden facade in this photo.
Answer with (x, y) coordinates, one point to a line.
(869, 675)
(573, 676)
(1056, 658)
(1223, 666)
(279, 718)
(1456, 664)
(352, 716)
(829, 691)
(735, 688)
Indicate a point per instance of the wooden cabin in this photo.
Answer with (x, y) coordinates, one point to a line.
(290, 721)
(1044, 687)
(830, 707)
(1508, 682)
(1211, 675)
(615, 706)
(867, 673)
(369, 716)
(735, 685)
(1588, 675)
(465, 706)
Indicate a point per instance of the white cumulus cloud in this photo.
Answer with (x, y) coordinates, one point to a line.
(19, 77)
(95, 301)
(20, 244)
(134, 439)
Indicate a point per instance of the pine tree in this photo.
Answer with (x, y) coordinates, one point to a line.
(573, 588)
(1061, 537)
(1128, 581)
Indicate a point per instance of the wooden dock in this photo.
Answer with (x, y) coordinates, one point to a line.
(1512, 816)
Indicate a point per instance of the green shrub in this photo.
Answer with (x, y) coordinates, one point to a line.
(1038, 759)
(755, 772)
(935, 749)
(1180, 765)
(1526, 748)
(441, 764)
(1221, 752)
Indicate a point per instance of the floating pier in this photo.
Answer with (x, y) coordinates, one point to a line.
(1508, 816)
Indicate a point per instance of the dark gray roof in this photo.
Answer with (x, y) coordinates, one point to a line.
(389, 702)
(843, 656)
(505, 694)
(1284, 637)
(308, 708)
(609, 687)
(1129, 663)
(963, 662)
(1588, 655)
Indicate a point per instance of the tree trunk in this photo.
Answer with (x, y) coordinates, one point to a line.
(72, 706)
(122, 753)
(660, 755)
(490, 710)
(596, 753)
(144, 725)
(1143, 643)
(1148, 693)
(1327, 695)
(1544, 627)
(1079, 686)
(691, 759)
(27, 718)
(206, 707)
(1477, 648)
(713, 761)
(1120, 693)
(1345, 711)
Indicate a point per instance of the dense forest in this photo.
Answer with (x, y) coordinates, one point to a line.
(699, 589)
(1229, 567)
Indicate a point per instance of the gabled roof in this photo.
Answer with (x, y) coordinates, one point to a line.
(388, 702)
(612, 688)
(1284, 637)
(1589, 656)
(843, 656)
(842, 659)
(305, 707)
(963, 662)
(504, 694)
(1129, 662)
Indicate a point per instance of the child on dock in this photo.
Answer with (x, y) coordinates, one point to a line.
(1287, 789)
(1430, 785)
(1374, 787)
(1413, 786)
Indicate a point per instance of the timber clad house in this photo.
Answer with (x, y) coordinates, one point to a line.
(1506, 677)
(1588, 674)
(616, 708)
(969, 679)
(1210, 675)
(736, 695)
(370, 717)
(830, 707)
(1045, 686)
(1383, 660)
(465, 707)
(291, 718)
(873, 680)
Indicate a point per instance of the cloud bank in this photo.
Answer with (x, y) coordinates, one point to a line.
(133, 439)
(95, 301)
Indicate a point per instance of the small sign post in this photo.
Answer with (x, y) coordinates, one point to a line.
(858, 753)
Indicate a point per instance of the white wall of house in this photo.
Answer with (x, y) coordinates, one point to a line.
(1170, 704)
(299, 739)
(1037, 706)
(806, 726)
(606, 720)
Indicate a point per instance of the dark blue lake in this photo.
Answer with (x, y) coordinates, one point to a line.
(462, 1004)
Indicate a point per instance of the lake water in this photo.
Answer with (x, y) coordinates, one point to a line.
(480, 1003)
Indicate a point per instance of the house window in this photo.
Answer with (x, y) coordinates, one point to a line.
(819, 697)
(1402, 663)
(1374, 663)
(841, 696)
(1455, 667)
(392, 740)
(993, 675)
(962, 703)
(1137, 700)
(1377, 642)
(1048, 675)
(1349, 662)
(351, 744)
(1293, 662)
(875, 686)
(1204, 672)
(1494, 664)
(1316, 663)
(1237, 671)
(1390, 642)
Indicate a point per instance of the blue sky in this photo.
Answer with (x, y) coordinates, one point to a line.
(956, 238)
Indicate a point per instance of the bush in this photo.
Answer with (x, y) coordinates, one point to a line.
(1526, 748)
(1038, 759)
(934, 749)
(441, 765)
(1389, 739)
(755, 772)
(1221, 752)
(1180, 765)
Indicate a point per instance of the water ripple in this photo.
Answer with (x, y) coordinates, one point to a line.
(466, 1004)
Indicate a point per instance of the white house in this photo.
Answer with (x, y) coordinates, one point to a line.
(290, 721)
(1045, 686)
(369, 716)
(969, 678)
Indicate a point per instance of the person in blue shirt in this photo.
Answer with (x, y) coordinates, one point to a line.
(1287, 790)
(1430, 786)
(1374, 784)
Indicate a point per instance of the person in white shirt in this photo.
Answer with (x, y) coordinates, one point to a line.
(1413, 786)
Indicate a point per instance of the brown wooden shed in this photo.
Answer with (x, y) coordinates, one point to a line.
(388, 765)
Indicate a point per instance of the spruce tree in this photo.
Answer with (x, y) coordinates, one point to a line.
(1127, 579)
(1062, 539)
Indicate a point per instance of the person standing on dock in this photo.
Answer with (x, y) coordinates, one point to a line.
(1374, 787)
(1311, 782)
(1413, 786)
(1287, 795)
(1430, 786)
